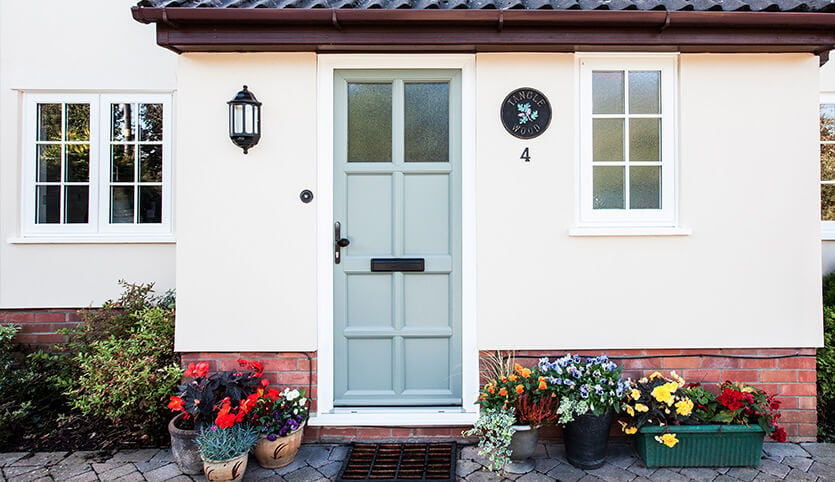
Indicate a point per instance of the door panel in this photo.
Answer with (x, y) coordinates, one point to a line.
(397, 150)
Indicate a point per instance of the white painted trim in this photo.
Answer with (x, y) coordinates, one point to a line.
(827, 230)
(138, 239)
(393, 418)
(327, 64)
(628, 231)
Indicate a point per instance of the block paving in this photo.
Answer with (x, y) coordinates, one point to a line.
(321, 462)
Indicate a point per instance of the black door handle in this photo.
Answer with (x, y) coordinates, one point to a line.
(338, 242)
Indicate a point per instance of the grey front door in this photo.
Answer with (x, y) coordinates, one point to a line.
(397, 202)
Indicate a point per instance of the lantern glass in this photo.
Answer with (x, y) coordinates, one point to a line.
(237, 119)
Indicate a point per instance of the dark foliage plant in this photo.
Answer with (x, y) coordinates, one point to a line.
(826, 364)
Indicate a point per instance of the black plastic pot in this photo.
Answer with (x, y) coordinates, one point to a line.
(586, 439)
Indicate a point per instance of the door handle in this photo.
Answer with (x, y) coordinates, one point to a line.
(338, 242)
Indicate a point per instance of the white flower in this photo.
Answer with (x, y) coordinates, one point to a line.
(292, 395)
(302, 401)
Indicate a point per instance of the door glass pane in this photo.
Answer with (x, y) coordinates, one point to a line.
(645, 187)
(121, 204)
(49, 163)
(150, 122)
(828, 122)
(122, 122)
(78, 163)
(607, 137)
(122, 161)
(828, 162)
(645, 92)
(49, 122)
(77, 201)
(607, 92)
(150, 163)
(828, 202)
(644, 139)
(48, 205)
(369, 122)
(608, 187)
(150, 204)
(78, 122)
(427, 122)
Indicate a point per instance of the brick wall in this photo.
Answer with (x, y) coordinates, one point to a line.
(38, 326)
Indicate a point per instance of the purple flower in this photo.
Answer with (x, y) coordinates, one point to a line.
(271, 437)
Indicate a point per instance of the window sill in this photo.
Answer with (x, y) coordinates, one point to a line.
(94, 239)
(828, 231)
(628, 231)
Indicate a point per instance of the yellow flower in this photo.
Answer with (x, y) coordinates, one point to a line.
(662, 394)
(629, 410)
(626, 428)
(512, 378)
(668, 439)
(677, 378)
(684, 407)
(673, 386)
(654, 375)
(635, 394)
(640, 407)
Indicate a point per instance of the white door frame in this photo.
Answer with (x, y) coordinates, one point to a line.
(325, 413)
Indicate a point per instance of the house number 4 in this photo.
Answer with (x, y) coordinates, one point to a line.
(526, 155)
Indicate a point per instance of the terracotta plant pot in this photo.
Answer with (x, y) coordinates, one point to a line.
(232, 469)
(184, 448)
(279, 452)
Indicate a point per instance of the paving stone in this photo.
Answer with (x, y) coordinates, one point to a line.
(721, 470)
(256, 472)
(293, 466)
(557, 451)
(69, 467)
(471, 453)
(339, 452)
(186, 478)
(484, 475)
(40, 459)
(9, 458)
(773, 468)
(464, 467)
(137, 455)
(800, 476)
(724, 478)
(826, 460)
(331, 470)
(313, 455)
(88, 476)
(534, 477)
(819, 449)
(801, 463)
(26, 474)
(566, 473)
(120, 470)
(304, 474)
(131, 477)
(667, 475)
(784, 450)
(623, 461)
(638, 468)
(541, 451)
(763, 477)
(163, 455)
(743, 473)
(612, 473)
(826, 472)
(163, 473)
(589, 478)
(544, 465)
(699, 473)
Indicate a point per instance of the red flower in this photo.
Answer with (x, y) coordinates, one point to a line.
(196, 371)
(225, 419)
(190, 370)
(255, 366)
(264, 382)
(779, 434)
(176, 404)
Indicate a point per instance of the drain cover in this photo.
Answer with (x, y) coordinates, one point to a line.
(400, 461)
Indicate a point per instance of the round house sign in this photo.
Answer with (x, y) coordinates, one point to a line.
(526, 113)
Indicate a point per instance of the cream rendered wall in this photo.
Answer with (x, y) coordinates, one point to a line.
(83, 45)
(747, 276)
(827, 85)
(246, 259)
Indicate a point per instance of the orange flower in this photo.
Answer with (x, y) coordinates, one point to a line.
(513, 378)
(176, 404)
(520, 389)
(503, 392)
(542, 384)
(492, 390)
(525, 372)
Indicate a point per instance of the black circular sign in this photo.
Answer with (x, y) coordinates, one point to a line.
(526, 113)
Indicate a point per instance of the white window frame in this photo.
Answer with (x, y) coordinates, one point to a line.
(98, 228)
(827, 227)
(629, 221)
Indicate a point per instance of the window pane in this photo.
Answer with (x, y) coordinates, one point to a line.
(608, 187)
(121, 121)
(48, 205)
(121, 204)
(122, 162)
(150, 163)
(150, 122)
(607, 92)
(828, 202)
(827, 162)
(78, 122)
(607, 139)
(828, 122)
(49, 122)
(645, 92)
(645, 187)
(49, 163)
(644, 139)
(78, 163)
(427, 122)
(150, 204)
(77, 200)
(369, 122)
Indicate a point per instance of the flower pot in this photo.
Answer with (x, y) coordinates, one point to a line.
(279, 452)
(702, 446)
(184, 448)
(522, 448)
(586, 439)
(232, 469)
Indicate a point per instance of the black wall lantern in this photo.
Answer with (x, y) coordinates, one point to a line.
(245, 120)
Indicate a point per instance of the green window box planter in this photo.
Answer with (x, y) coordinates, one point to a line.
(702, 446)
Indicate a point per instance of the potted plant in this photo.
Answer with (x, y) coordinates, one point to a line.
(279, 418)
(224, 446)
(515, 402)
(590, 391)
(684, 425)
(196, 405)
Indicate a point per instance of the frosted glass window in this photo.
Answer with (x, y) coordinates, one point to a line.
(369, 122)
(645, 92)
(607, 92)
(427, 122)
(608, 139)
(645, 187)
(645, 140)
(608, 187)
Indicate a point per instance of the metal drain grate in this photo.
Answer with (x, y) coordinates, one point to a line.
(400, 461)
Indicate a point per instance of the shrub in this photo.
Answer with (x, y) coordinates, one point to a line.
(219, 444)
(826, 374)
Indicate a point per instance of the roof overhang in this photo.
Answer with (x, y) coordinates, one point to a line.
(380, 30)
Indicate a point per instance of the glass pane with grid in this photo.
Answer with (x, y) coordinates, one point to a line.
(62, 164)
(827, 159)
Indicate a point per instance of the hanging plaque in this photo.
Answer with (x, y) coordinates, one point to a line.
(526, 113)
